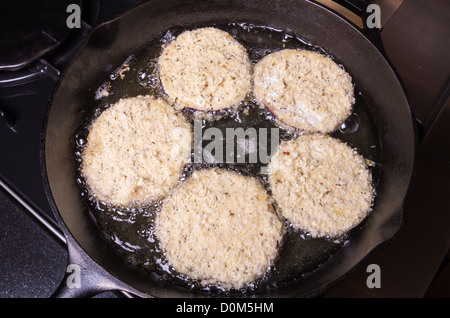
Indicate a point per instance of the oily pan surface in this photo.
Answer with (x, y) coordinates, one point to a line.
(300, 253)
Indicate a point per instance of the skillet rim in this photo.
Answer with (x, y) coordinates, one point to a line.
(318, 291)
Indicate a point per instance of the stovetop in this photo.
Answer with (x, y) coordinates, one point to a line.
(33, 255)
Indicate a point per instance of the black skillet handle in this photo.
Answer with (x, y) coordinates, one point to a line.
(84, 278)
(81, 279)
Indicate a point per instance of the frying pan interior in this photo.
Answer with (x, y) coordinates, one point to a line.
(110, 44)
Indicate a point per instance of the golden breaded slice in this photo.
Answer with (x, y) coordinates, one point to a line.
(205, 69)
(220, 228)
(136, 150)
(321, 185)
(304, 89)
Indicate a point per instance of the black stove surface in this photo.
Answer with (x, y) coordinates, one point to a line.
(32, 248)
(33, 252)
(31, 30)
(24, 96)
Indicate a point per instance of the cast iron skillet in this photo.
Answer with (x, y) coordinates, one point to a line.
(111, 43)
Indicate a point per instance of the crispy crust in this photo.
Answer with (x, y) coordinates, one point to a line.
(219, 227)
(205, 69)
(304, 89)
(321, 185)
(136, 150)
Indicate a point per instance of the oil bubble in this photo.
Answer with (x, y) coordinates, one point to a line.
(350, 125)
